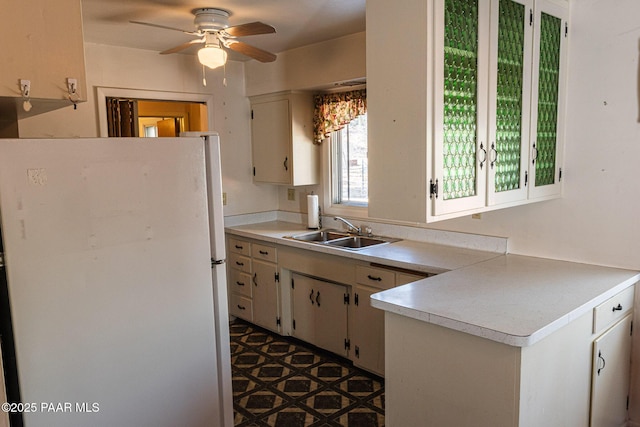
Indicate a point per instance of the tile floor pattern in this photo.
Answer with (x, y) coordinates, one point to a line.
(282, 382)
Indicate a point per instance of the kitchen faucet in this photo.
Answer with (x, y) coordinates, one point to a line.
(351, 227)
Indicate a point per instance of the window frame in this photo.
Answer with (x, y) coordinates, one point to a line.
(329, 184)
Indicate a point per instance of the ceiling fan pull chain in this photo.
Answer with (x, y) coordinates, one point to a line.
(224, 75)
(204, 76)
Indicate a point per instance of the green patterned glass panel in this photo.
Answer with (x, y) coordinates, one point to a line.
(509, 95)
(548, 75)
(460, 93)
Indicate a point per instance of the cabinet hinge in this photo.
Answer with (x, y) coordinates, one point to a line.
(560, 174)
(433, 189)
(2, 260)
(294, 323)
(346, 299)
(277, 277)
(347, 344)
(278, 321)
(358, 352)
(251, 114)
(566, 29)
(526, 178)
(254, 171)
(631, 329)
(530, 20)
(293, 285)
(355, 299)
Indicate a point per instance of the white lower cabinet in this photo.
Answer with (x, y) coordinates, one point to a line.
(265, 295)
(319, 310)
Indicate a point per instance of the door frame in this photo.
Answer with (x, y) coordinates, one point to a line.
(103, 92)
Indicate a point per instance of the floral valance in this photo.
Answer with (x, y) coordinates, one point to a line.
(334, 110)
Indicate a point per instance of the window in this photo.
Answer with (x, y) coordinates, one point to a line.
(349, 164)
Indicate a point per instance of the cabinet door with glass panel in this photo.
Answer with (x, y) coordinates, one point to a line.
(548, 99)
(509, 100)
(460, 91)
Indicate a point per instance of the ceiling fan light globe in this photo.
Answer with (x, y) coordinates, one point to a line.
(212, 57)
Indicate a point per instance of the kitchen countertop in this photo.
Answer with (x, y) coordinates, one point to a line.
(408, 254)
(512, 299)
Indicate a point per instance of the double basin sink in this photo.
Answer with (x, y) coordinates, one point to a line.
(339, 239)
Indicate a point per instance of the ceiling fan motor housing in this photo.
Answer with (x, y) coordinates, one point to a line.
(211, 19)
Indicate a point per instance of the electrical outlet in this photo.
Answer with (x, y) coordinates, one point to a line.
(291, 194)
(224, 199)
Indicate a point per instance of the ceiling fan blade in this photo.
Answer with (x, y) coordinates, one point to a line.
(249, 29)
(162, 26)
(251, 51)
(183, 46)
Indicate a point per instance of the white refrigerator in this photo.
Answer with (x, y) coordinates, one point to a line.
(114, 258)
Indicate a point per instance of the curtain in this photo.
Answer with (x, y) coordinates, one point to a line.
(335, 110)
(122, 117)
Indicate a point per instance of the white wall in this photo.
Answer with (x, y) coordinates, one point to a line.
(117, 67)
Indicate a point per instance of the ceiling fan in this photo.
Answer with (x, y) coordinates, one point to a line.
(213, 31)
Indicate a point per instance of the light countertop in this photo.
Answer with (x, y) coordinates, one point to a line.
(516, 300)
(408, 254)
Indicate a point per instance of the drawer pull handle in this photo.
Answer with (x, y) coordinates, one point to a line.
(241, 307)
(377, 279)
(239, 263)
(264, 252)
(239, 283)
(618, 308)
(239, 247)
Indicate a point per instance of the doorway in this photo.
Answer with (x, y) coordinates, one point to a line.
(156, 105)
(151, 118)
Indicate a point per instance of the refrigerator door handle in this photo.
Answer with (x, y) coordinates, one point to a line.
(215, 262)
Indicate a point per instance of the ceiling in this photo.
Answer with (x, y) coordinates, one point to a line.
(297, 22)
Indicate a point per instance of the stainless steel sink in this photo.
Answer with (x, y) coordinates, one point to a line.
(342, 240)
(320, 236)
(357, 242)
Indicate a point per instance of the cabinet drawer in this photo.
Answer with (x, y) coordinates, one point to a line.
(613, 309)
(241, 306)
(240, 262)
(263, 252)
(376, 277)
(240, 282)
(241, 247)
(404, 278)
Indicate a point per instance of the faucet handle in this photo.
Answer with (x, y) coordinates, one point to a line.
(368, 231)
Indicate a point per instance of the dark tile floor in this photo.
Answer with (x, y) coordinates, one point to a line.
(282, 382)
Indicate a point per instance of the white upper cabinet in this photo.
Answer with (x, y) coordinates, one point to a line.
(282, 139)
(491, 134)
(43, 43)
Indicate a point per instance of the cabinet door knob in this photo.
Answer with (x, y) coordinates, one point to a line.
(286, 163)
(255, 276)
(482, 155)
(311, 297)
(318, 298)
(617, 308)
